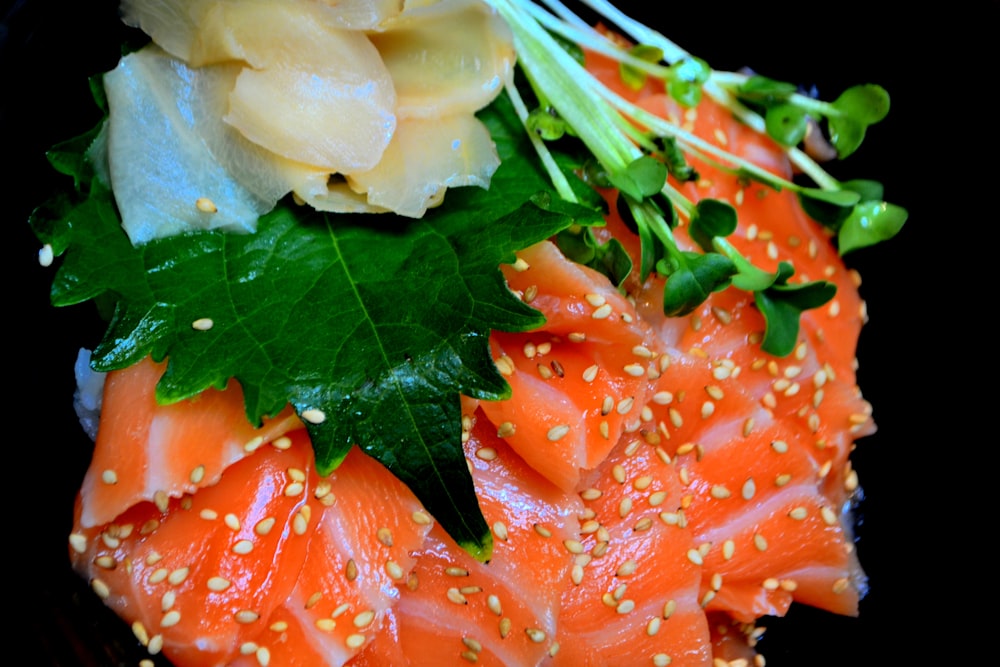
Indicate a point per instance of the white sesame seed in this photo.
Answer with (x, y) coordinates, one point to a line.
(205, 205)
(314, 416)
(602, 313)
(243, 547)
(557, 432)
(177, 577)
(170, 619)
(78, 542)
(45, 255)
(245, 616)
(202, 324)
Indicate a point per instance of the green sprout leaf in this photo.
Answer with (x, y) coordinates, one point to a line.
(632, 76)
(782, 305)
(609, 258)
(711, 218)
(786, 123)
(869, 223)
(858, 107)
(691, 278)
(686, 79)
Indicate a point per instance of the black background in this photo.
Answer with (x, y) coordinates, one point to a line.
(50, 48)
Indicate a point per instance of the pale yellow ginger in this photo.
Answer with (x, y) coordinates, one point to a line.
(353, 106)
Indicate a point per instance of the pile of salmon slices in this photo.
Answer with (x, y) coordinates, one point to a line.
(654, 485)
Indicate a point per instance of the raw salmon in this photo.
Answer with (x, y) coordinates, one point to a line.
(654, 485)
(151, 452)
(457, 610)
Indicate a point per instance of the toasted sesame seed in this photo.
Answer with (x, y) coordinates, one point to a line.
(669, 608)
(205, 205)
(455, 595)
(393, 569)
(625, 405)
(217, 584)
(828, 515)
(264, 526)
(140, 632)
(177, 577)
(505, 365)
(493, 604)
(384, 536)
(78, 542)
(100, 588)
(243, 547)
(500, 530)
(635, 370)
(720, 492)
(542, 530)
(780, 446)
(625, 606)
(505, 430)
(728, 549)
(246, 616)
(573, 546)
(536, 635)
(340, 610)
(170, 619)
(314, 415)
(155, 644)
(840, 585)
(326, 624)
(602, 313)
(421, 518)
(470, 656)
(314, 599)
(557, 432)
(590, 373)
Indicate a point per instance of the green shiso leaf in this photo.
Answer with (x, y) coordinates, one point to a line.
(381, 322)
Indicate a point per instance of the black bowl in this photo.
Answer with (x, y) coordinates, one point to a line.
(49, 50)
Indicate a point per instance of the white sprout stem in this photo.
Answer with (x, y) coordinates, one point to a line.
(754, 121)
(641, 34)
(555, 173)
(568, 87)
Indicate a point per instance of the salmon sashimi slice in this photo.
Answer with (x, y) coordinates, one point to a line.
(633, 594)
(146, 451)
(506, 611)
(763, 493)
(196, 576)
(360, 554)
(576, 383)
